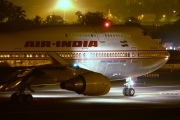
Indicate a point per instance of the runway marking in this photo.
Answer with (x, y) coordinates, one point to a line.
(169, 93)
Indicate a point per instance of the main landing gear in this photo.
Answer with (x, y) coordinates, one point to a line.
(129, 90)
(20, 97)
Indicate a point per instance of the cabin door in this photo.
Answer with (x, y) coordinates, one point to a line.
(134, 54)
(85, 56)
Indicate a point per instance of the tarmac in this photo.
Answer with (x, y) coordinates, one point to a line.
(151, 101)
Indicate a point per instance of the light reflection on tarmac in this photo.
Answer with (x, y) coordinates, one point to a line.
(149, 102)
(148, 94)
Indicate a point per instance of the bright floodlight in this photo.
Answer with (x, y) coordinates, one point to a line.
(64, 4)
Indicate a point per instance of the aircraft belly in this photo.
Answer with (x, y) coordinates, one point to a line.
(117, 69)
(149, 64)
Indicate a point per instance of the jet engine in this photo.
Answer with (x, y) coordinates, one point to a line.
(90, 83)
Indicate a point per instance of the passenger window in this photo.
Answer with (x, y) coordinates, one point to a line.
(133, 55)
(62, 55)
(65, 55)
(74, 55)
(77, 55)
(84, 55)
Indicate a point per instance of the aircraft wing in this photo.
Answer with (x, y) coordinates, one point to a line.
(56, 59)
(20, 75)
(72, 78)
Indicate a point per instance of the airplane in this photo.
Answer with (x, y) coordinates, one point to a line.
(82, 59)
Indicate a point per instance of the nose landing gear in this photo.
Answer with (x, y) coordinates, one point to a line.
(129, 90)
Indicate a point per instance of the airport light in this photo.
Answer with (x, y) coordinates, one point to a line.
(107, 24)
(64, 4)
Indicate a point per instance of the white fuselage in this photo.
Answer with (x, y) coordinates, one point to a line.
(117, 52)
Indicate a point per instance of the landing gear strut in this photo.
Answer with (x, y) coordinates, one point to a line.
(19, 95)
(129, 90)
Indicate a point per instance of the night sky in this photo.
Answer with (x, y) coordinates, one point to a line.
(47, 7)
(118, 8)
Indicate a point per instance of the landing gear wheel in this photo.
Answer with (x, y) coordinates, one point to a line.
(14, 97)
(128, 92)
(125, 92)
(20, 98)
(131, 92)
(29, 98)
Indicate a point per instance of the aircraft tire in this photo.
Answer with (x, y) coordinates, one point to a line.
(29, 98)
(20, 98)
(14, 97)
(125, 91)
(131, 92)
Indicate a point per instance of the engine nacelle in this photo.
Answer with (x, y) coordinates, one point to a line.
(90, 83)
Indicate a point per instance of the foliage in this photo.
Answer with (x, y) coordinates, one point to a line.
(3, 10)
(14, 18)
(54, 20)
(11, 13)
(91, 18)
(81, 18)
(132, 21)
(11, 16)
(37, 21)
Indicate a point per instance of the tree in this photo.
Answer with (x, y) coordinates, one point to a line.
(10, 12)
(81, 18)
(11, 17)
(91, 18)
(54, 20)
(37, 21)
(3, 10)
(19, 13)
(132, 21)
